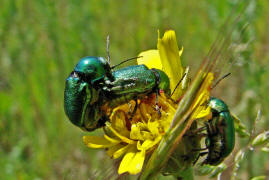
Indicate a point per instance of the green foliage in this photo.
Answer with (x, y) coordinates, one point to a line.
(261, 139)
(211, 171)
(259, 178)
(41, 41)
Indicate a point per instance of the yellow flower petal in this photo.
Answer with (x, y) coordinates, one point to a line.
(137, 162)
(136, 132)
(112, 140)
(147, 144)
(111, 150)
(120, 136)
(201, 113)
(150, 58)
(201, 109)
(126, 160)
(180, 52)
(118, 121)
(144, 112)
(96, 142)
(170, 106)
(132, 162)
(121, 151)
(170, 58)
(153, 127)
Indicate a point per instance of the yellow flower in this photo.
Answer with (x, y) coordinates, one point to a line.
(134, 140)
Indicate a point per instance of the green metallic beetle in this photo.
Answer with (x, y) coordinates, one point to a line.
(92, 84)
(220, 129)
(135, 82)
(80, 97)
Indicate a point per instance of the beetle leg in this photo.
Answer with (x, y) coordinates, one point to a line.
(121, 88)
(200, 155)
(185, 157)
(97, 81)
(199, 129)
(203, 135)
(201, 149)
(196, 131)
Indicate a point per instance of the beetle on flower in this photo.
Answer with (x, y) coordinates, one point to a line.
(136, 139)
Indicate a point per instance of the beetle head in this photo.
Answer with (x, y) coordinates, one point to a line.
(217, 105)
(92, 68)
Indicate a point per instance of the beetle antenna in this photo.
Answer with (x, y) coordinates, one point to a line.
(107, 49)
(218, 81)
(178, 84)
(126, 61)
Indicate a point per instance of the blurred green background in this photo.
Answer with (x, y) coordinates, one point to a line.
(42, 40)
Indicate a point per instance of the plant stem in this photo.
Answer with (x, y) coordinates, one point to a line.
(182, 123)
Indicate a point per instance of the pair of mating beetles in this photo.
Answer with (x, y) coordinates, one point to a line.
(93, 84)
